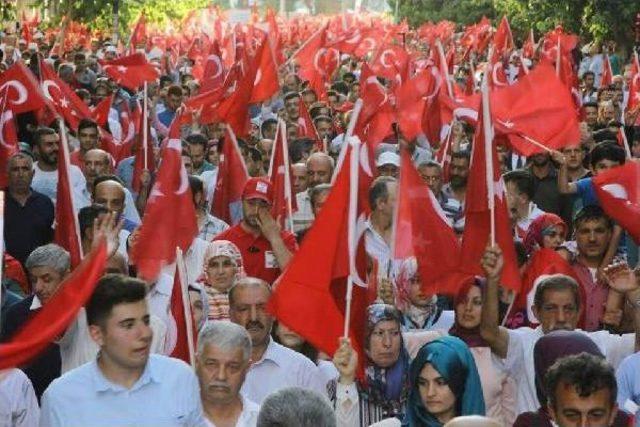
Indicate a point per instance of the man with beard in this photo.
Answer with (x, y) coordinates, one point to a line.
(557, 306)
(431, 173)
(265, 249)
(545, 187)
(292, 107)
(222, 362)
(28, 215)
(274, 366)
(319, 171)
(459, 171)
(45, 179)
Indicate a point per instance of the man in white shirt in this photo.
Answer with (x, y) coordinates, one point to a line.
(274, 366)
(18, 403)
(45, 179)
(124, 385)
(557, 305)
(222, 362)
(378, 235)
(319, 171)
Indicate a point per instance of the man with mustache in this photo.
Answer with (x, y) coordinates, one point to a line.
(274, 366)
(222, 362)
(557, 306)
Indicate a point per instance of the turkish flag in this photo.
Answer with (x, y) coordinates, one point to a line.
(266, 83)
(284, 202)
(421, 229)
(139, 34)
(306, 56)
(8, 137)
(484, 179)
(100, 113)
(502, 41)
(230, 181)
(392, 62)
(411, 98)
(181, 318)
(67, 104)
(67, 232)
(313, 304)
(618, 190)
(130, 71)
(21, 88)
(170, 218)
(607, 73)
(214, 72)
(634, 86)
(306, 128)
(519, 112)
(528, 47)
(54, 317)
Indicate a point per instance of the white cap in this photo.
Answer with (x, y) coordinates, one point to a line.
(388, 158)
(111, 48)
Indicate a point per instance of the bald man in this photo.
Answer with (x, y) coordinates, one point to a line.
(113, 194)
(319, 171)
(299, 177)
(97, 162)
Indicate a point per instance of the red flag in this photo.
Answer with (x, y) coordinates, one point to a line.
(634, 86)
(181, 317)
(8, 137)
(607, 73)
(392, 62)
(313, 305)
(21, 88)
(502, 41)
(55, 316)
(486, 188)
(67, 232)
(65, 101)
(266, 83)
(306, 128)
(523, 116)
(411, 98)
(618, 190)
(139, 33)
(131, 71)
(230, 181)
(422, 230)
(100, 113)
(169, 219)
(214, 71)
(528, 48)
(284, 202)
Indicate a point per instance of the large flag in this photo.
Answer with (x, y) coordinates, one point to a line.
(284, 202)
(266, 83)
(54, 317)
(411, 98)
(67, 104)
(422, 230)
(180, 317)
(170, 218)
(131, 71)
(214, 71)
(607, 72)
(313, 304)
(618, 190)
(21, 89)
(139, 33)
(485, 204)
(8, 137)
(532, 122)
(67, 232)
(230, 181)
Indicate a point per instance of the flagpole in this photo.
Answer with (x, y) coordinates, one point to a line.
(144, 129)
(287, 176)
(354, 164)
(444, 65)
(350, 128)
(558, 58)
(488, 153)
(186, 304)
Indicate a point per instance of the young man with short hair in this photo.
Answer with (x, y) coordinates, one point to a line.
(125, 385)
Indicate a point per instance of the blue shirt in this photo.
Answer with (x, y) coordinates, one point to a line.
(586, 192)
(167, 394)
(628, 378)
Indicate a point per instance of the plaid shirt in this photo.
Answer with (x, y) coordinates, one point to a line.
(211, 227)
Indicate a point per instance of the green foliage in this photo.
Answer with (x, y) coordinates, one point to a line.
(460, 11)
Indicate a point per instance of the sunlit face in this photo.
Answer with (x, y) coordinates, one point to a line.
(96, 163)
(47, 149)
(20, 174)
(249, 310)
(88, 138)
(432, 176)
(553, 237)
(469, 309)
(592, 238)
(221, 372)
(573, 410)
(435, 394)
(558, 311)
(385, 343)
(45, 282)
(574, 156)
(299, 177)
(318, 171)
(251, 209)
(111, 195)
(221, 272)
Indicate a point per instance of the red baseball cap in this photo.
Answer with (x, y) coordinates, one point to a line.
(258, 188)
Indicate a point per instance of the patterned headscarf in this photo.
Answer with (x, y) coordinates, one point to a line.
(222, 248)
(386, 387)
(541, 226)
(451, 357)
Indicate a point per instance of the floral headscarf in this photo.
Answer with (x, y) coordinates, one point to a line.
(222, 248)
(541, 226)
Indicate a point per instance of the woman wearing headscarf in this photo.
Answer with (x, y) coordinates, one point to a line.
(419, 311)
(498, 388)
(384, 390)
(546, 231)
(222, 267)
(548, 349)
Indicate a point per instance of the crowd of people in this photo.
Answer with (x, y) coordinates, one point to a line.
(561, 352)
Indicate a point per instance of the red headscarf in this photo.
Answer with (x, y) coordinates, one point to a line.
(535, 232)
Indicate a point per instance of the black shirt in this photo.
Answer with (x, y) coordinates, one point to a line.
(29, 226)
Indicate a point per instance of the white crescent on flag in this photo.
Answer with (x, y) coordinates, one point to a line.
(19, 87)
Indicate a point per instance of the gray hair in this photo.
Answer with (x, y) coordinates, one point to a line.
(317, 191)
(247, 282)
(50, 255)
(225, 335)
(296, 406)
(20, 155)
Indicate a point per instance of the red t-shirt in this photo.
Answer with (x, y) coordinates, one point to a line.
(257, 258)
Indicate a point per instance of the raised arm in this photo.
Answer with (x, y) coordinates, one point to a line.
(490, 329)
(564, 186)
(625, 281)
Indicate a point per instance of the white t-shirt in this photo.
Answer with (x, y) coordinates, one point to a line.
(18, 403)
(46, 182)
(248, 417)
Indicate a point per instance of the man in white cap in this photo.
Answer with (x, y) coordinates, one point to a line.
(388, 164)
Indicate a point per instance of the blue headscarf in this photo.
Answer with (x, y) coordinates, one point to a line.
(451, 357)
